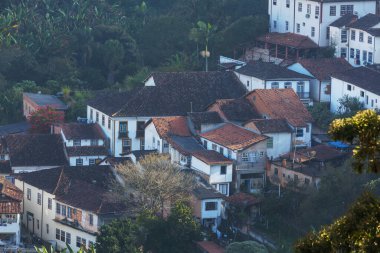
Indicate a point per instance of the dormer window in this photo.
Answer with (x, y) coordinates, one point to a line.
(76, 143)
(275, 85)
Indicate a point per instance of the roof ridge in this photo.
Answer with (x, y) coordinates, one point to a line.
(58, 181)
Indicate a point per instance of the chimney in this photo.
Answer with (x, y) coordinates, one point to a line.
(284, 163)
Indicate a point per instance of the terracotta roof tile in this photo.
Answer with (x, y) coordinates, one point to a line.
(280, 104)
(46, 100)
(270, 125)
(171, 126)
(288, 39)
(233, 137)
(243, 198)
(235, 109)
(10, 190)
(344, 20)
(82, 131)
(87, 151)
(322, 69)
(199, 118)
(211, 157)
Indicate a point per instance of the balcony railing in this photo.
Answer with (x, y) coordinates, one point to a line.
(140, 134)
(303, 95)
(123, 135)
(251, 166)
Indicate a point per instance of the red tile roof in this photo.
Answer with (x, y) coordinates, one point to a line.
(322, 69)
(10, 197)
(280, 104)
(171, 126)
(210, 247)
(211, 157)
(288, 39)
(242, 198)
(233, 137)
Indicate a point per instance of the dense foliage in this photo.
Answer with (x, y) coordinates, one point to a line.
(42, 119)
(97, 44)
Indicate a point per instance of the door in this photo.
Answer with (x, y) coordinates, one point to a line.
(30, 222)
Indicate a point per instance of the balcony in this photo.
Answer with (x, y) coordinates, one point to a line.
(253, 167)
(123, 135)
(303, 95)
(140, 134)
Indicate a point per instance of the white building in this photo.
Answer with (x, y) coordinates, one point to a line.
(57, 207)
(312, 18)
(264, 75)
(122, 116)
(362, 83)
(356, 40)
(320, 71)
(84, 143)
(279, 133)
(10, 210)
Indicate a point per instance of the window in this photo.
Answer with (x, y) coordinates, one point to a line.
(63, 235)
(223, 189)
(308, 8)
(103, 120)
(247, 83)
(316, 11)
(58, 208)
(109, 122)
(223, 170)
(123, 127)
(57, 234)
(274, 24)
(286, 25)
(29, 194)
(298, 28)
(287, 3)
(214, 147)
(69, 212)
(91, 161)
(333, 10)
(183, 159)
(366, 99)
(63, 210)
(244, 157)
(353, 35)
(369, 39)
(328, 32)
(68, 238)
(39, 198)
(80, 242)
(274, 2)
(94, 142)
(91, 114)
(369, 57)
(343, 52)
(126, 145)
(307, 128)
(270, 142)
(221, 150)
(361, 36)
(229, 153)
(346, 9)
(275, 85)
(343, 36)
(372, 102)
(47, 228)
(142, 144)
(38, 224)
(2, 157)
(312, 31)
(205, 144)
(362, 93)
(261, 154)
(50, 204)
(97, 116)
(91, 221)
(79, 162)
(76, 143)
(352, 53)
(211, 206)
(357, 55)
(299, 7)
(288, 85)
(276, 171)
(364, 56)
(349, 87)
(299, 132)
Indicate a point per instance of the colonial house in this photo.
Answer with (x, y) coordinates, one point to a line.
(312, 18)
(279, 133)
(10, 210)
(284, 104)
(32, 152)
(57, 206)
(320, 71)
(207, 205)
(237, 111)
(199, 122)
(246, 148)
(84, 143)
(304, 167)
(35, 101)
(361, 82)
(265, 75)
(215, 168)
(122, 117)
(358, 39)
(181, 149)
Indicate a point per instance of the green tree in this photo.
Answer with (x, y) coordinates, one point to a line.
(118, 237)
(201, 34)
(321, 114)
(357, 231)
(364, 130)
(246, 247)
(348, 106)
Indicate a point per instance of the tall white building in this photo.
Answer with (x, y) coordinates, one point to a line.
(312, 18)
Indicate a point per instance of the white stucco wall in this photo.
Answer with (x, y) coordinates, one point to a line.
(282, 143)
